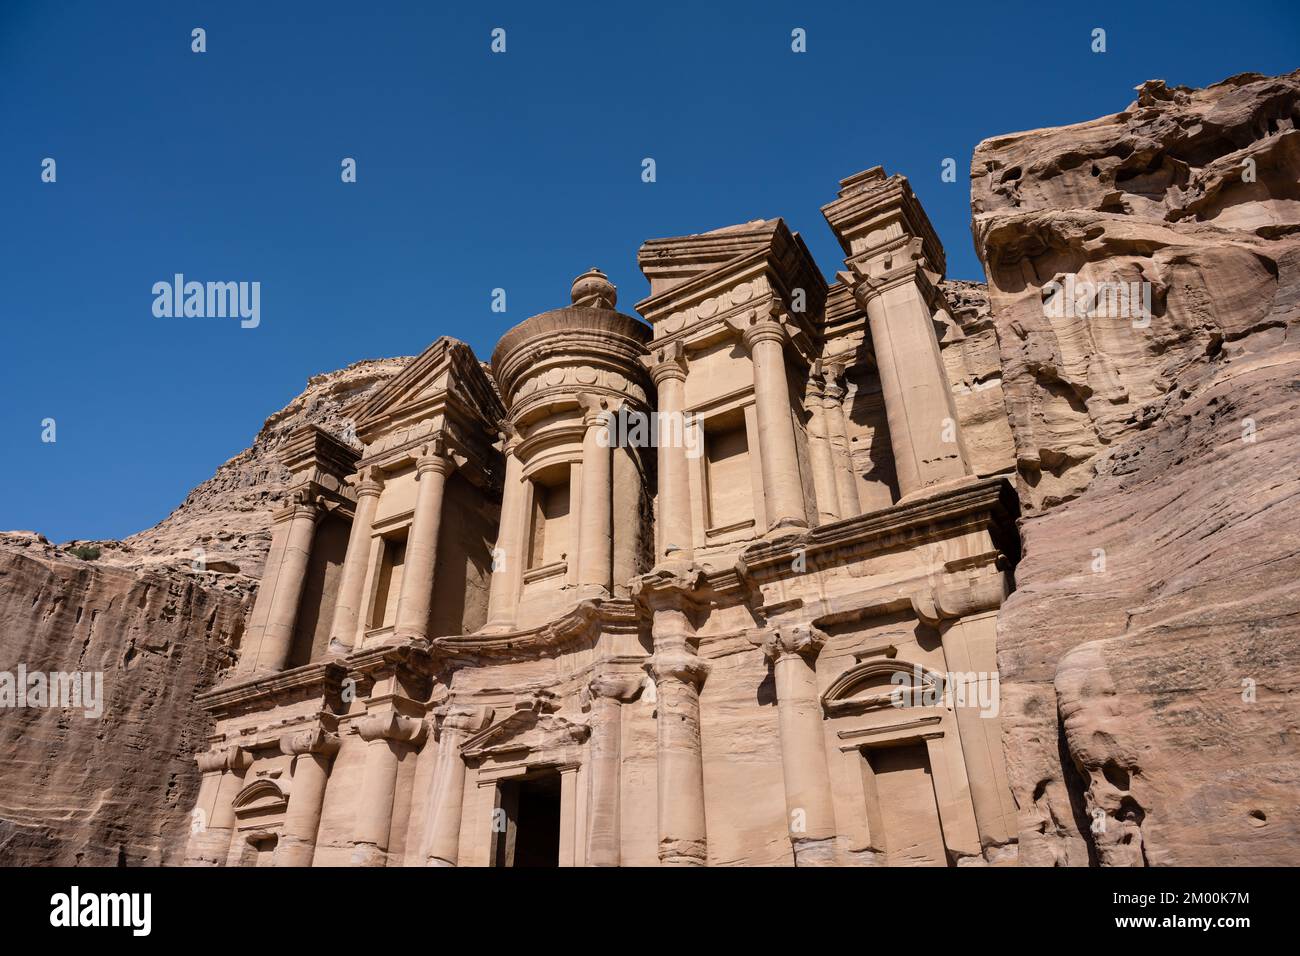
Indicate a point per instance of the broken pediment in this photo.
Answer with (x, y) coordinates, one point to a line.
(446, 377)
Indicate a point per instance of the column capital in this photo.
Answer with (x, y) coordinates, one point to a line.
(670, 587)
(434, 457)
(595, 408)
(370, 483)
(832, 373)
(904, 266)
(314, 740)
(780, 643)
(760, 325)
(236, 759)
(610, 681)
(303, 503)
(390, 726)
(666, 363)
(462, 720)
(510, 437)
(963, 588)
(680, 664)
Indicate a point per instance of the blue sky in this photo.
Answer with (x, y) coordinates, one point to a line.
(475, 171)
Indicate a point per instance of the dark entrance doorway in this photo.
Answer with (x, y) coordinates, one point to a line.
(531, 821)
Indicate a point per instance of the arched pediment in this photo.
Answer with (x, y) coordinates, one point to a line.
(260, 797)
(878, 683)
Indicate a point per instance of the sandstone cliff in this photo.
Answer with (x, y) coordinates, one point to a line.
(117, 789)
(1149, 659)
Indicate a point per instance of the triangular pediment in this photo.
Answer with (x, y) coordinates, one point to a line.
(447, 371)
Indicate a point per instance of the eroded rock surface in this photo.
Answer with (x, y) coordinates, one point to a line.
(1148, 658)
(114, 789)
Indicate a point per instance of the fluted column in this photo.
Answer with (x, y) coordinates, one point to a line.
(384, 734)
(412, 621)
(810, 813)
(837, 432)
(347, 608)
(508, 556)
(609, 689)
(679, 673)
(676, 538)
(923, 430)
(213, 821)
(313, 751)
(447, 803)
(596, 509)
(823, 465)
(764, 337)
(269, 640)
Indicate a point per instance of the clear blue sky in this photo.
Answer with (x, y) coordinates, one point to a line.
(475, 171)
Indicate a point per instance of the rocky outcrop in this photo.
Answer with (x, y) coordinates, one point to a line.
(1149, 658)
(160, 628)
(112, 788)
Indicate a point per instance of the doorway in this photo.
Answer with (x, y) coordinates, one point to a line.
(527, 822)
(906, 806)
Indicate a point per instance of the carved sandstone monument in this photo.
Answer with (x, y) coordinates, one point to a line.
(508, 632)
(893, 571)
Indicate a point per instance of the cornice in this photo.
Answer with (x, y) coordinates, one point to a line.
(323, 677)
(988, 502)
(580, 622)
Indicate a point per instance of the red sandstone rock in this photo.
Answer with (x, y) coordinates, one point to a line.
(1130, 731)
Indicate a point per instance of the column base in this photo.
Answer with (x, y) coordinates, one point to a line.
(367, 854)
(936, 489)
(682, 853)
(293, 852)
(786, 526)
(813, 852)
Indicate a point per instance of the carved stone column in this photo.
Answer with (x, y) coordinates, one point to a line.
(447, 802)
(764, 337)
(347, 608)
(668, 369)
(412, 621)
(837, 433)
(214, 818)
(962, 603)
(596, 514)
(810, 812)
(609, 689)
(923, 430)
(679, 673)
(508, 557)
(313, 751)
(269, 640)
(384, 734)
(823, 465)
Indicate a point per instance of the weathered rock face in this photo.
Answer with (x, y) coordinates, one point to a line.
(1148, 659)
(118, 789)
(115, 789)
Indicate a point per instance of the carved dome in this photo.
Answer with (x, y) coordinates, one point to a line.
(581, 345)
